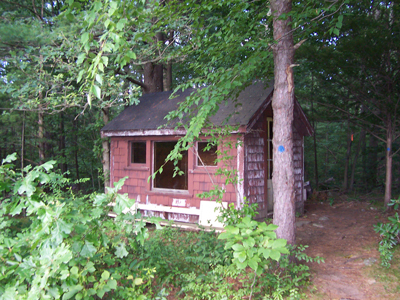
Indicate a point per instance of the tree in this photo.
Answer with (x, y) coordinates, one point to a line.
(283, 106)
(358, 73)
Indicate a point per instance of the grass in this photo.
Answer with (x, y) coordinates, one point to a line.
(389, 277)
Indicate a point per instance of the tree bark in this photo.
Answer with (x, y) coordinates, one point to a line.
(282, 105)
(153, 78)
(106, 151)
(41, 136)
(356, 154)
(154, 72)
(61, 146)
(389, 162)
(23, 144)
(372, 162)
(314, 135)
(347, 161)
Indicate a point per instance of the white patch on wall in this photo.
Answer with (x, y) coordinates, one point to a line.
(179, 202)
(208, 215)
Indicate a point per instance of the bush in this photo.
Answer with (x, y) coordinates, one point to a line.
(54, 243)
(390, 235)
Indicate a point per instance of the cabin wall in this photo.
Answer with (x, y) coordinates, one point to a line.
(200, 179)
(255, 167)
(298, 161)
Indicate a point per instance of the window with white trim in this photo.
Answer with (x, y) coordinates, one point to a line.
(166, 178)
(206, 154)
(138, 152)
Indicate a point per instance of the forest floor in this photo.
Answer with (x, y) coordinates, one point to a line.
(340, 229)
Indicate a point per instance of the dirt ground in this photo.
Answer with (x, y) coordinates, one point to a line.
(341, 231)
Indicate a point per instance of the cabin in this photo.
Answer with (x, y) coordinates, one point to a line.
(139, 145)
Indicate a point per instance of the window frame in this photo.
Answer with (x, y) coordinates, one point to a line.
(196, 159)
(153, 169)
(130, 145)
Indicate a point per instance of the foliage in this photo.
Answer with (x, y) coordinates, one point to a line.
(255, 245)
(390, 235)
(67, 245)
(233, 216)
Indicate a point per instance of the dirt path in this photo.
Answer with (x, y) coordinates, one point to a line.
(343, 235)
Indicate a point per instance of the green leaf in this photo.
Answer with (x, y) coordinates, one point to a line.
(266, 253)
(279, 243)
(238, 247)
(249, 243)
(112, 284)
(242, 256)
(81, 58)
(99, 79)
(253, 263)
(88, 250)
(121, 251)
(85, 37)
(96, 91)
(232, 230)
(10, 158)
(105, 275)
(72, 291)
(275, 254)
(138, 281)
(336, 31)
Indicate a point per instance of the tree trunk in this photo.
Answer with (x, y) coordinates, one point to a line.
(315, 139)
(76, 153)
(388, 181)
(41, 136)
(23, 144)
(372, 162)
(168, 77)
(347, 161)
(106, 151)
(356, 154)
(61, 145)
(153, 72)
(282, 105)
(153, 78)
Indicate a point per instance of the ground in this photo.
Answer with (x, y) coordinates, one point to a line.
(340, 230)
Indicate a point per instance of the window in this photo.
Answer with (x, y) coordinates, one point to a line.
(138, 152)
(166, 179)
(207, 154)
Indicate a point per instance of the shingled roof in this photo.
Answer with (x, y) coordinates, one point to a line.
(150, 113)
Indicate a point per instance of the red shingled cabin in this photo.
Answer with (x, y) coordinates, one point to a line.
(138, 148)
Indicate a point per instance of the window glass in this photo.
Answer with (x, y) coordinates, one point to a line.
(207, 155)
(138, 152)
(166, 179)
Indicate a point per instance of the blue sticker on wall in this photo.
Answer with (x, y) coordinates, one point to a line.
(281, 149)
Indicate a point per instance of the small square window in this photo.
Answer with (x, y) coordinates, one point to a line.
(138, 152)
(207, 154)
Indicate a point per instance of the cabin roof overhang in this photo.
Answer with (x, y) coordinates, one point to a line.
(148, 117)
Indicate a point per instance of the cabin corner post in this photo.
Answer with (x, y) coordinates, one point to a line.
(240, 172)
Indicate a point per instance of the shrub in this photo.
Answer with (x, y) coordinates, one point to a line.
(390, 235)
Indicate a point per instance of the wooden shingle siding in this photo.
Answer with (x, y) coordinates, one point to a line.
(254, 176)
(298, 168)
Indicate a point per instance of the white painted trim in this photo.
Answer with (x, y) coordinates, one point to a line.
(170, 209)
(157, 132)
(240, 168)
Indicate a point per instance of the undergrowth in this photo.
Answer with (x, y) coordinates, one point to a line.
(56, 244)
(390, 235)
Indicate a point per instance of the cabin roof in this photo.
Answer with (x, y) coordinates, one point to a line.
(150, 113)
